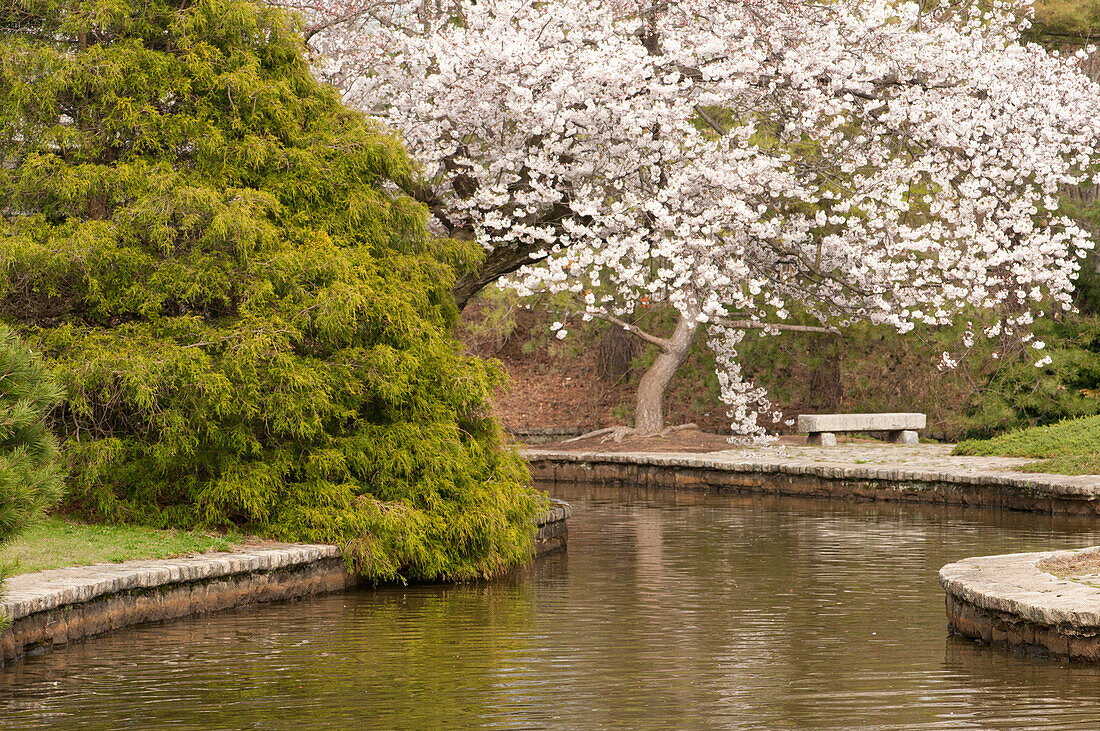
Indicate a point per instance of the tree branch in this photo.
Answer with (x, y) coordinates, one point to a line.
(313, 30)
(503, 260)
(633, 330)
(750, 325)
(423, 193)
(711, 121)
(498, 262)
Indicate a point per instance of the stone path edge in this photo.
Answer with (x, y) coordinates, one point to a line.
(42, 591)
(1054, 494)
(51, 608)
(1008, 601)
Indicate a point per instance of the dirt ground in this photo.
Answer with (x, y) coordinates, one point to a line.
(556, 384)
(559, 393)
(555, 392)
(564, 393)
(684, 440)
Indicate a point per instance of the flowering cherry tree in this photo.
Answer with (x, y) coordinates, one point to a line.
(735, 159)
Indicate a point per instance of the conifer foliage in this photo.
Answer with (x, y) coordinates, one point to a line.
(30, 474)
(252, 325)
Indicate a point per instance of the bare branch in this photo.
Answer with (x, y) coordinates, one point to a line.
(634, 330)
(750, 325)
(711, 121)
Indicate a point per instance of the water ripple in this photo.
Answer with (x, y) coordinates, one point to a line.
(669, 611)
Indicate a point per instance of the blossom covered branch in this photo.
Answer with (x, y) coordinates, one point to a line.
(857, 160)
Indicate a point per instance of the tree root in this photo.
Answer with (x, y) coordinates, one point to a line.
(597, 433)
(618, 433)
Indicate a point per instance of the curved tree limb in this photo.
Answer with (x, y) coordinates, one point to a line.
(634, 330)
(786, 327)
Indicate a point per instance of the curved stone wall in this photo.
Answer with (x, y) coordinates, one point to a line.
(1010, 601)
(798, 476)
(553, 532)
(54, 607)
(51, 608)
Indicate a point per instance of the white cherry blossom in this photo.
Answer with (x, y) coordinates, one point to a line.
(734, 159)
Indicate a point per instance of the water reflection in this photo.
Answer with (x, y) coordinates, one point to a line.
(670, 610)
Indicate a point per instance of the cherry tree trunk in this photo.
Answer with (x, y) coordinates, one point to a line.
(649, 410)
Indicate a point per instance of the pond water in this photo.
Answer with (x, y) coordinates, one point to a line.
(670, 610)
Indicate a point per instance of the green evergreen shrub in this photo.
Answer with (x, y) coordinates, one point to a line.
(253, 327)
(30, 472)
(1018, 395)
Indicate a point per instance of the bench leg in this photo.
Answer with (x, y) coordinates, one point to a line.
(822, 438)
(904, 436)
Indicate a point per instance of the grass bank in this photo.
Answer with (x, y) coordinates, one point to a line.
(56, 542)
(1070, 447)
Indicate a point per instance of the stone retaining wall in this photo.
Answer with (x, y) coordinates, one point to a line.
(1008, 601)
(553, 532)
(542, 435)
(52, 608)
(715, 472)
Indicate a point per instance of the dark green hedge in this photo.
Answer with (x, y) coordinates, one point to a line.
(252, 326)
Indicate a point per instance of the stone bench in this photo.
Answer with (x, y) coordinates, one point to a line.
(822, 428)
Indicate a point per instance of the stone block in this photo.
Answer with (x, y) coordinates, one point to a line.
(821, 438)
(861, 422)
(904, 436)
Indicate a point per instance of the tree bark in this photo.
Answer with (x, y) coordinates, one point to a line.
(649, 410)
(498, 262)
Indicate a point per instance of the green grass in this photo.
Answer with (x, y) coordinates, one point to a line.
(1070, 447)
(57, 542)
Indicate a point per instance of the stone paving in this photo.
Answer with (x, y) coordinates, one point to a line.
(1014, 583)
(41, 591)
(853, 460)
(928, 457)
(558, 512)
(27, 594)
(1014, 601)
(1082, 567)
